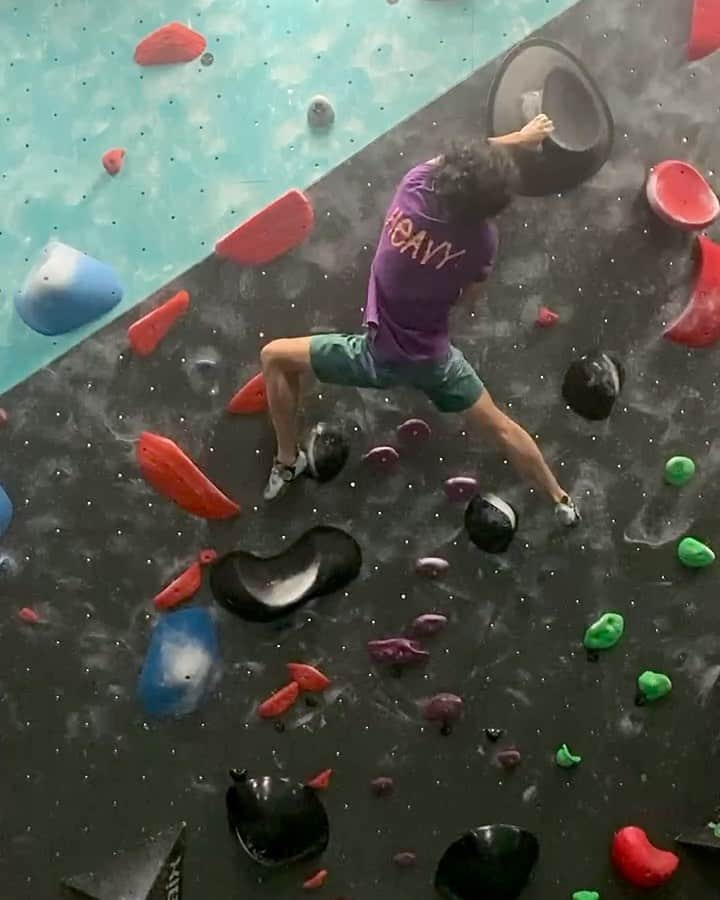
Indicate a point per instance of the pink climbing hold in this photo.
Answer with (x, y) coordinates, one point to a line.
(414, 430)
(405, 859)
(428, 624)
(509, 758)
(460, 488)
(679, 195)
(704, 29)
(382, 456)
(399, 651)
(382, 786)
(432, 566)
(4, 417)
(206, 557)
(546, 318)
(113, 160)
(443, 708)
(171, 43)
(26, 614)
(146, 332)
(699, 323)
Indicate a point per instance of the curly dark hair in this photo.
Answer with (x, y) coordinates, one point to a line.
(475, 181)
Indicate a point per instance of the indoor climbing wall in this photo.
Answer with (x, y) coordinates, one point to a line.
(120, 720)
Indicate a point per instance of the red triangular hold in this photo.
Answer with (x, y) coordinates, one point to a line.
(546, 318)
(182, 588)
(113, 160)
(705, 29)
(145, 334)
(272, 231)
(171, 43)
(699, 323)
(251, 398)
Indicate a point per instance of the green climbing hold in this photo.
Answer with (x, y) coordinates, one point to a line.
(679, 470)
(605, 633)
(694, 554)
(654, 685)
(565, 759)
(586, 895)
(715, 829)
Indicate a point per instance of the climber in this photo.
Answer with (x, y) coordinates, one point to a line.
(438, 245)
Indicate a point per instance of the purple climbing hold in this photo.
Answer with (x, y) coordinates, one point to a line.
(382, 456)
(428, 624)
(399, 651)
(509, 758)
(461, 488)
(443, 708)
(432, 566)
(382, 785)
(414, 430)
(405, 860)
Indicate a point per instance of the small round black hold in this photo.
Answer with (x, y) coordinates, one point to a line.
(207, 59)
(279, 726)
(494, 734)
(311, 701)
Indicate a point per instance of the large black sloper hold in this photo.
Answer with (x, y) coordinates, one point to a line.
(261, 589)
(276, 821)
(592, 384)
(493, 862)
(490, 523)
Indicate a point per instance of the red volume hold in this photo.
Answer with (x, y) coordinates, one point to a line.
(272, 231)
(698, 325)
(182, 588)
(251, 398)
(145, 334)
(174, 475)
(705, 29)
(171, 43)
(639, 861)
(113, 160)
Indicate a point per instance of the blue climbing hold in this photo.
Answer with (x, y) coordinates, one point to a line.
(65, 290)
(182, 663)
(6, 511)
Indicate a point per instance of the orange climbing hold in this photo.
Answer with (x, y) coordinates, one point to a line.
(699, 323)
(317, 880)
(280, 702)
(113, 160)
(145, 334)
(272, 231)
(182, 588)
(251, 398)
(321, 782)
(704, 30)
(171, 43)
(174, 475)
(308, 677)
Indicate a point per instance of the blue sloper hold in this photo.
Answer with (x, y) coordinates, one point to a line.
(6, 511)
(182, 663)
(65, 290)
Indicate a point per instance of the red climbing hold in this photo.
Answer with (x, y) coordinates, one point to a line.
(679, 195)
(546, 318)
(321, 782)
(206, 557)
(699, 323)
(280, 702)
(29, 615)
(317, 880)
(272, 231)
(182, 588)
(145, 334)
(174, 475)
(704, 30)
(308, 677)
(639, 861)
(171, 43)
(113, 160)
(251, 398)
(4, 417)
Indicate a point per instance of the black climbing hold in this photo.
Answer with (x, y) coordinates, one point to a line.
(320, 112)
(311, 701)
(592, 384)
(493, 862)
(276, 821)
(540, 76)
(327, 451)
(153, 871)
(261, 589)
(707, 838)
(490, 523)
(494, 734)
(207, 59)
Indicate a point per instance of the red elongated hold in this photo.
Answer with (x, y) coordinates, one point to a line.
(182, 588)
(280, 702)
(546, 318)
(205, 557)
(171, 43)
(317, 880)
(251, 398)
(638, 861)
(29, 615)
(308, 677)
(113, 160)
(321, 782)
(272, 231)
(699, 323)
(174, 475)
(145, 334)
(704, 30)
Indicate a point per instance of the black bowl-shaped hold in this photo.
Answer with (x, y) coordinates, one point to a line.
(592, 384)
(327, 451)
(490, 523)
(261, 589)
(493, 862)
(276, 821)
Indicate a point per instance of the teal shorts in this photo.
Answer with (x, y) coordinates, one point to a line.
(451, 384)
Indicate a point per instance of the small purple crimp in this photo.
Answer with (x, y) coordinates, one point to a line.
(398, 651)
(428, 624)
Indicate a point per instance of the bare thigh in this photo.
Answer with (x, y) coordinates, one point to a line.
(292, 355)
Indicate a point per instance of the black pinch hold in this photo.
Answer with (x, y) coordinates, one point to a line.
(262, 589)
(277, 822)
(592, 384)
(490, 523)
(493, 862)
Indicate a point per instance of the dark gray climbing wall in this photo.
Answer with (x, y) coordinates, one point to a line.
(84, 773)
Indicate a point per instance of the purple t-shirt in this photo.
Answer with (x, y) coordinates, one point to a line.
(421, 265)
